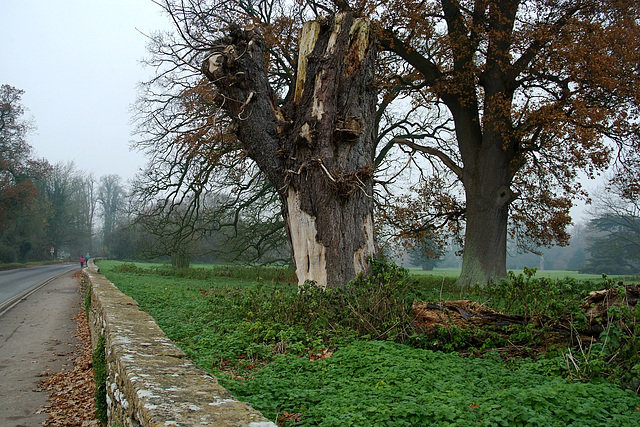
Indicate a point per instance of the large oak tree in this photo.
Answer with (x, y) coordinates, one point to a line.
(535, 92)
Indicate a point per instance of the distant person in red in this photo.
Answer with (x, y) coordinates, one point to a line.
(81, 261)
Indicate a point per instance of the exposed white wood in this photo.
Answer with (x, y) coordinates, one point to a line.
(317, 109)
(308, 252)
(215, 62)
(337, 24)
(305, 132)
(308, 38)
(359, 34)
(368, 249)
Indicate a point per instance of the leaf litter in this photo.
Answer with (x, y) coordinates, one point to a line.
(71, 399)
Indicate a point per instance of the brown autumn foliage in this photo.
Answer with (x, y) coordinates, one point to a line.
(533, 93)
(17, 168)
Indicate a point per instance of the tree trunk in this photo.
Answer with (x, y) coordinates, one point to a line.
(486, 176)
(485, 244)
(180, 259)
(489, 161)
(317, 149)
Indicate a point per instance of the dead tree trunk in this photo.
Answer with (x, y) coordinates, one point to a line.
(318, 149)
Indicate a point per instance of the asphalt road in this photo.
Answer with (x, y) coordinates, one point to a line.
(17, 284)
(36, 336)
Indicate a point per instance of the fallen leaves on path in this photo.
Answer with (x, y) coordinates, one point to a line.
(72, 401)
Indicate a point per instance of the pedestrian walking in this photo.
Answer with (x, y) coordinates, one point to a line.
(81, 261)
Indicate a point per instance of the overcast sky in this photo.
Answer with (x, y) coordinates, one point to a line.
(79, 62)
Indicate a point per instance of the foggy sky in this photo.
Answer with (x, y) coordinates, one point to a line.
(78, 62)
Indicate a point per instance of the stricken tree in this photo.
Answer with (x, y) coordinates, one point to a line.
(312, 140)
(316, 149)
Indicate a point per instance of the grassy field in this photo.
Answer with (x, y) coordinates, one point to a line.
(436, 272)
(550, 274)
(351, 357)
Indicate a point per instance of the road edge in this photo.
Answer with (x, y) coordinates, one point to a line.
(15, 300)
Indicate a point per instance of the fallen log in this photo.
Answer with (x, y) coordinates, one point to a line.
(462, 313)
(596, 305)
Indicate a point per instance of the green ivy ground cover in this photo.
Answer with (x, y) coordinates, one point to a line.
(384, 383)
(234, 328)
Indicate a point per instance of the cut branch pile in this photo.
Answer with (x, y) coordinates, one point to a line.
(596, 305)
(466, 313)
(462, 313)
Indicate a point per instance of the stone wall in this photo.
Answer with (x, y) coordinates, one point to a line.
(151, 382)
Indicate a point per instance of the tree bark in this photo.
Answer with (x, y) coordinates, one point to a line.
(318, 149)
(180, 259)
(485, 241)
(487, 177)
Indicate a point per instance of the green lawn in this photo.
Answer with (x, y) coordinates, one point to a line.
(436, 272)
(551, 274)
